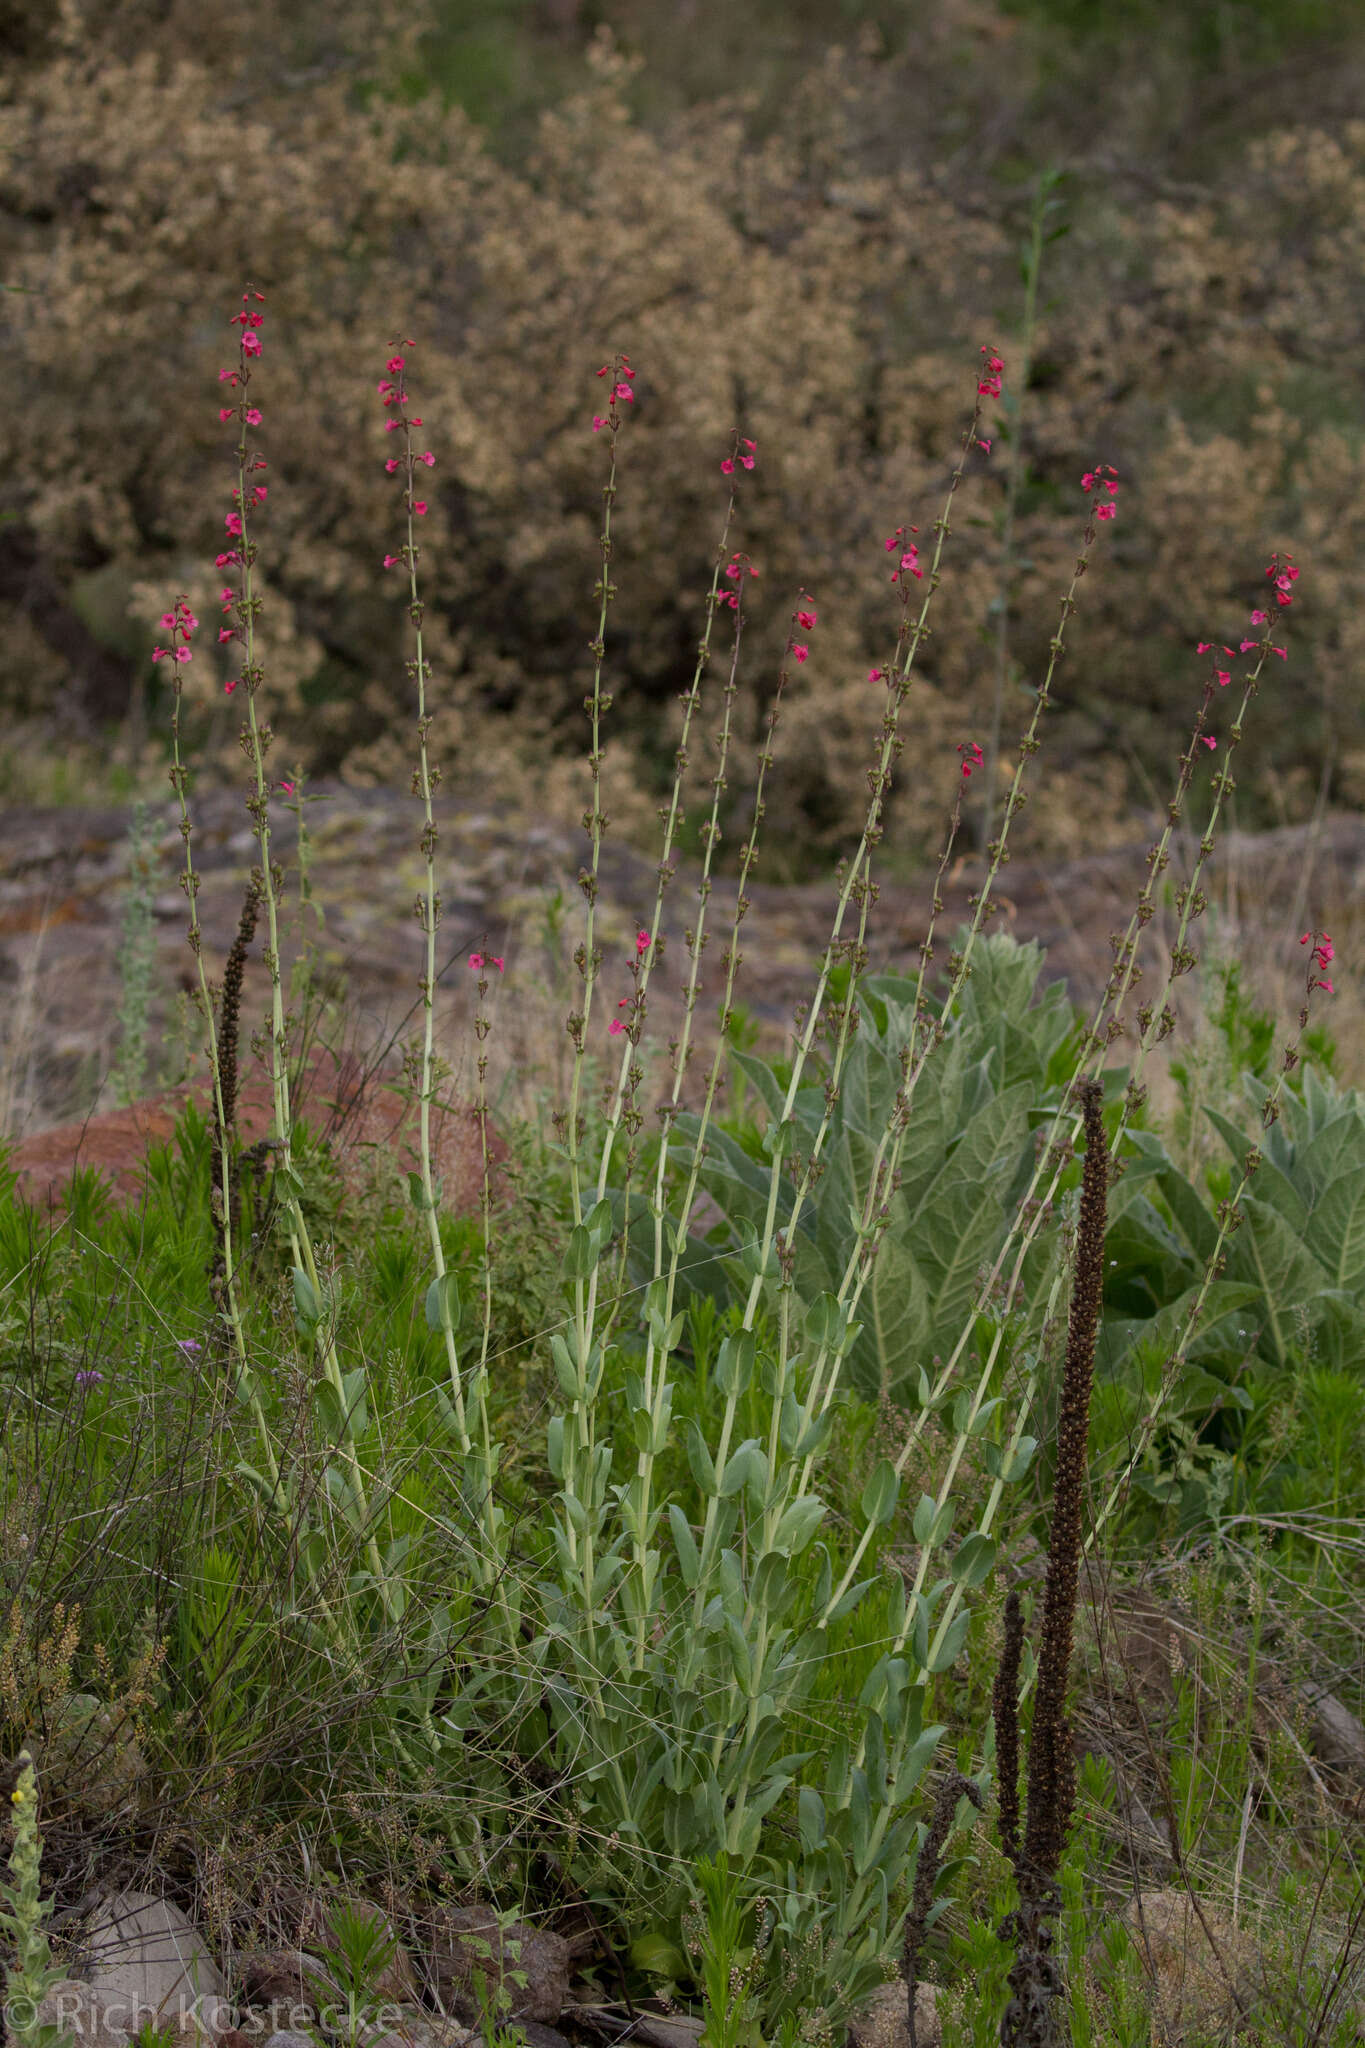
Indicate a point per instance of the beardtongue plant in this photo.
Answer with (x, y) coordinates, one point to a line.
(662, 1645)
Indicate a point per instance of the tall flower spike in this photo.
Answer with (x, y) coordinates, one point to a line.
(1035, 2016)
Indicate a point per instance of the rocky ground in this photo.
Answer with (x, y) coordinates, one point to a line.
(509, 886)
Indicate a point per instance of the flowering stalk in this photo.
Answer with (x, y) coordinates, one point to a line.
(243, 607)
(1032, 2018)
(580, 1465)
(32, 1974)
(424, 1068)
(179, 624)
(655, 1392)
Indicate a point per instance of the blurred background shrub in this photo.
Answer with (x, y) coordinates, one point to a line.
(799, 219)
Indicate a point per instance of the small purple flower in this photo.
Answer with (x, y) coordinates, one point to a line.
(89, 1379)
(189, 1345)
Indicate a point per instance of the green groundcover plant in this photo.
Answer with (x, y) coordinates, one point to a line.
(656, 1607)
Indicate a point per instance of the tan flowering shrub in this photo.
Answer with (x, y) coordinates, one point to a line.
(802, 285)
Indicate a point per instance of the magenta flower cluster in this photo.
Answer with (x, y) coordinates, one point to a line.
(1102, 478)
(745, 460)
(909, 564)
(1321, 957)
(617, 1024)
(622, 377)
(393, 396)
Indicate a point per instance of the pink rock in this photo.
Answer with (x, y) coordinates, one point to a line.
(358, 1111)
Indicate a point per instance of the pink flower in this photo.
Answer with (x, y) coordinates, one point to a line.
(616, 1027)
(287, 788)
(167, 620)
(251, 344)
(1323, 952)
(395, 364)
(746, 461)
(227, 412)
(253, 415)
(226, 633)
(1222, 676)
(1284, 576)
(233, 523)
(429, 459)
(806, 620)
(641, 943)
(228, 688)
(727, 467)
(258, 492)
(1259, 618)
(1105, 511)
(1203, 647)
(624, 392)
(801, 653)
(496, 959)
(475, 959)
(1247, 646)
(392, 464)
(228, 377)
(392, 561)
(983, 443)
(598, 423)
(874, 675)
(972, 757)
(187, 619)
(1209, 741)
(420, 508)
(230, 559)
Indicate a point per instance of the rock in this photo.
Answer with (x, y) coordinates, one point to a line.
(395, 1982)
(1335, 1736)
(883, 2021)
(538, 2035)
(413, 2027)
(529, 1964)
(287, 2038)
(351, 1105)
(1197, 1982)
(660, 2030)
(81, 2011)
(280, 1983)
(145, 1961)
